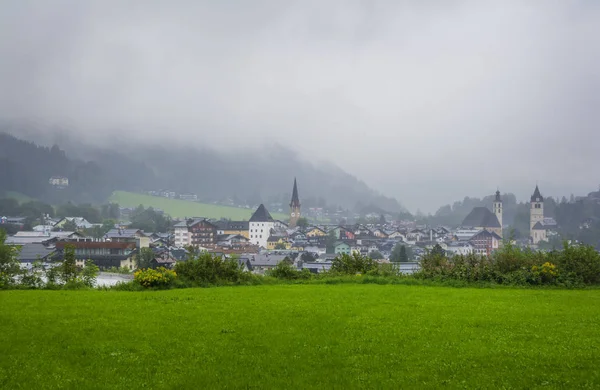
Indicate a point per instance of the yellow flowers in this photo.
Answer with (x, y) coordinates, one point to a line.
(159, 277)
(547, 272)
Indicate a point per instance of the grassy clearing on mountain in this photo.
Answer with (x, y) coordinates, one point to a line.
(21, 198)
(182, 208)
(300, 336)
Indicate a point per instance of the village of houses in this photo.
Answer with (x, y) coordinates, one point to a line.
(262, 242)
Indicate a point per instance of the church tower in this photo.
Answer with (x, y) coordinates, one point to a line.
(294, 206)
(498, 209)
(536, 213)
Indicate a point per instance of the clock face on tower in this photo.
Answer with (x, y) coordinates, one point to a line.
(293, 214)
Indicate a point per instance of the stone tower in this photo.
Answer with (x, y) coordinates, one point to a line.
(536, 213)
(498, 208)
(294, 206)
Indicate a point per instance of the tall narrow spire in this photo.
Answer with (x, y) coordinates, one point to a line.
(295, 199)
(294, 206)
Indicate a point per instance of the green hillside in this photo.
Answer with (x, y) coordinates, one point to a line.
(181, 208)
(300, 336)
(22, 198)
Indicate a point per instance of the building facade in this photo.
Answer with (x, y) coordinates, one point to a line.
(485, 242)
(342, 248)
(202, 233)
(497, 209)
(181, 235)
(536, 216)
(233, 227)
(105, 254)
(260, 226)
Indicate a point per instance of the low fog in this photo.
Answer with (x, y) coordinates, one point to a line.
(427, 102)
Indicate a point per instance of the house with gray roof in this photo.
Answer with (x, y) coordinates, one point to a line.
(32, 252)
(260, 263)
(46, 238)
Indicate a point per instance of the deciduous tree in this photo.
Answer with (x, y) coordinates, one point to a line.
(144, 258)
(302, 222)
(9, 262)
(68, 270)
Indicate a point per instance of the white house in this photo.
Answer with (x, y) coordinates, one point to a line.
(460, 248)
(259, 229)
(80, 222)
(182, 235)
(397, 236)
(59, 181)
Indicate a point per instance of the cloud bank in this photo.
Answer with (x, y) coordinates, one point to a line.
(425, 101)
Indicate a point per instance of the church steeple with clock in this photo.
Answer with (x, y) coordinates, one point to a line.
(294, 206)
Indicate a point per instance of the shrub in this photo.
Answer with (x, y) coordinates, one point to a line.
(33, 278)
(546, 273)
(384, 269)
(206, 269)
(583, 262)
(9, 263)
(353, 264)
(286, 271)
(68, 267)
(574, 265)
(89, 273)
(155, 278)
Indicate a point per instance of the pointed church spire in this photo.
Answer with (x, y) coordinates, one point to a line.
(498, 199)
(294, 206)
(537, 196)
(295, 199)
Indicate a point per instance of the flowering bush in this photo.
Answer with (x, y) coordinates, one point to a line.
(155, 278)
(547, 272)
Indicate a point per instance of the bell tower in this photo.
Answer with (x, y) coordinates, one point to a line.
(536, 213)
(498, 208)
(294, 206)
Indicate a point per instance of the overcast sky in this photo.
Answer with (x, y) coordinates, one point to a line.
(426, 101)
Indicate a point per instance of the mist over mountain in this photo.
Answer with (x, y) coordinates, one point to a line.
(423, 101)
(251, 175)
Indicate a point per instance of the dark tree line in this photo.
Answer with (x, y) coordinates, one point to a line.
(26, 168)
(149, 220)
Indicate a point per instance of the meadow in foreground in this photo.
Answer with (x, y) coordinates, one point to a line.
(300, 336)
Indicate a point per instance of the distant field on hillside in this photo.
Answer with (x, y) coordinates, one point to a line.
(301, 336)
(22, 198)
(182, 208)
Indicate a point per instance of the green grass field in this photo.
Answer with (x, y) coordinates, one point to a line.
(21, 198)
(301, 336)
(182, 208)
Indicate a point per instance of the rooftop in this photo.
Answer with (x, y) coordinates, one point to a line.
(31, 252)
(481, 217)
(261, 215)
